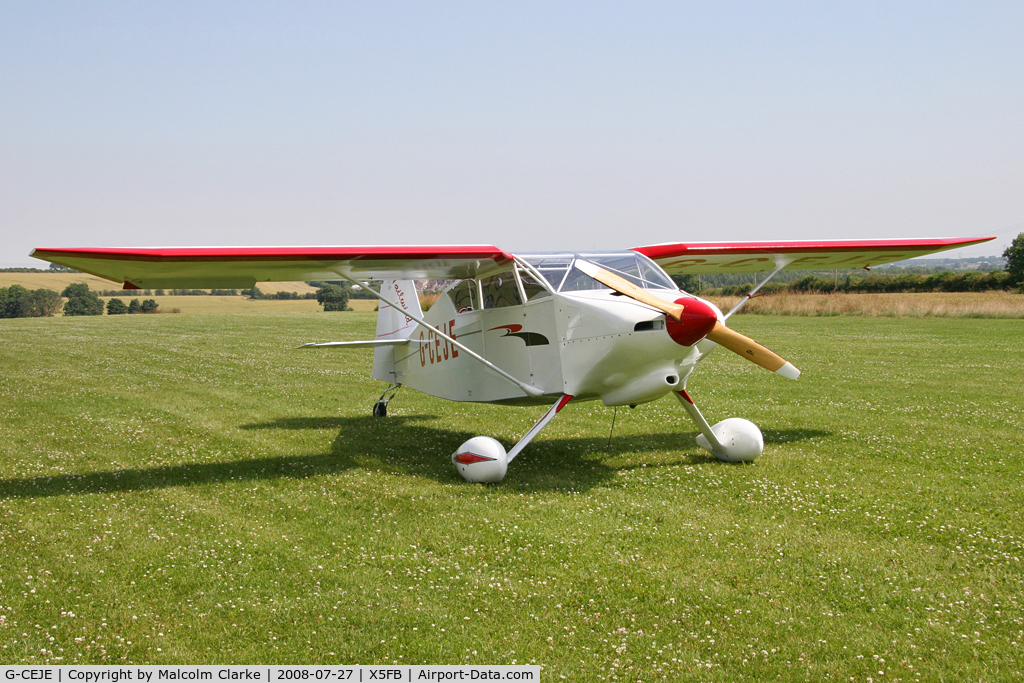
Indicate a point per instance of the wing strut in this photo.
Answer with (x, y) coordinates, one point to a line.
(527, 389)
(780, 263)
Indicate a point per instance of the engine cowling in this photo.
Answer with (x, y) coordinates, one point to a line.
(643, 388)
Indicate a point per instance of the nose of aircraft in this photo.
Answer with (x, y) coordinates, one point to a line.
(696, 322)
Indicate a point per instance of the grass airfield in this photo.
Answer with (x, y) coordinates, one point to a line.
(191, 489)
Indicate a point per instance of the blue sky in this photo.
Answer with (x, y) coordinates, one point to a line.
(533, 126)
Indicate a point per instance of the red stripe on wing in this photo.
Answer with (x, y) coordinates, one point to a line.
(659, 251)
(354, 253)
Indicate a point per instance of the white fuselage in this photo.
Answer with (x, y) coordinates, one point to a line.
(589, 344)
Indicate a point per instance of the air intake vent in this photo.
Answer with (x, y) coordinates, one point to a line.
(646, 325)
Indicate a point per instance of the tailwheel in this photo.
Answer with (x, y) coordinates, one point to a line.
(380, 408)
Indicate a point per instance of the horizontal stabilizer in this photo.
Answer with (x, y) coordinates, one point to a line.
(357, 344)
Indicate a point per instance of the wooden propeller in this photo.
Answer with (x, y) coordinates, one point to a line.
(720, 334)
(752, 351)
(624, 286)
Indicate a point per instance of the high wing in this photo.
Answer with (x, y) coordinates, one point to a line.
(243, 267)
(748, 257)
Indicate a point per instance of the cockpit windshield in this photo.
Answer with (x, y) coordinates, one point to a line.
(558, 271)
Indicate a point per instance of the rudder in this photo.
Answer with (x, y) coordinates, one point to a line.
(393, 323)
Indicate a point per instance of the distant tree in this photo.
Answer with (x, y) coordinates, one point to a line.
(134, 306)
(688, 282)
(1014, 256)
(18, 302)
(62, 269)
(332, 298)
(13, 302)
(354, 291)
(159, 292)
(364, 291)
(116, 307)
(810, 283)
(81, 301)
(149, 306)
(43, 303)
(254, 293)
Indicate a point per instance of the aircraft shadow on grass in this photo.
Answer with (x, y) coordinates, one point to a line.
(400, 445)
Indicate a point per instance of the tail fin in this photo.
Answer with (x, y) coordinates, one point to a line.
(393, 323)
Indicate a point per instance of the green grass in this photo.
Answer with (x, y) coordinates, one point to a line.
(190, 489)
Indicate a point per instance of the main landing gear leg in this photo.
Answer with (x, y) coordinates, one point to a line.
(731, 440)
(380, 408)
(484, 460)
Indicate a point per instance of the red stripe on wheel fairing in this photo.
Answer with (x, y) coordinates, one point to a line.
(470, 458)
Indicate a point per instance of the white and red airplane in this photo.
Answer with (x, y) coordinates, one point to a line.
(526, 329)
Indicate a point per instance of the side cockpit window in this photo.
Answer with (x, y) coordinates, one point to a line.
(464, 296)
(533, 289)
(500, 291)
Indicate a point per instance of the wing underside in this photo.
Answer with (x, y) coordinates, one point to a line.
(243, 267)
(748, 257)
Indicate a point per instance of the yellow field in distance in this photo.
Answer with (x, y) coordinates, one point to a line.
(897, 305)
(186, 304)
(58, 281)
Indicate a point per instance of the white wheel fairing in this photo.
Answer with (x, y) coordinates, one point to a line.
(482, 460)
(741, 441)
